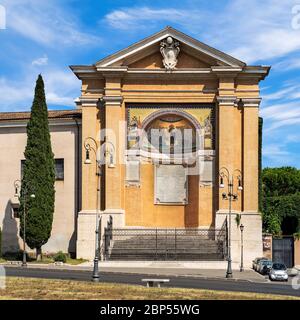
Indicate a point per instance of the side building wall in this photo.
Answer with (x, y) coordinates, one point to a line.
(66, 141)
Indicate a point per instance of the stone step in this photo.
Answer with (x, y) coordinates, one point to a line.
(151, 251)
(164, 240)
(171, 257)
(191, 246)
(162, 246)
(204, 242)
(153, 238)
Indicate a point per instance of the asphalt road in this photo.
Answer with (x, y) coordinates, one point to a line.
(175, 281)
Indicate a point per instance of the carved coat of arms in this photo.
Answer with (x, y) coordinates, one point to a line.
(169, 50)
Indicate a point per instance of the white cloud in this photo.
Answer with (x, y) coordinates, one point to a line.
(129, 18)
(293, 138)
(46, 22)
(14, 94)
(274, 150)
(287, 64)
(40, 61)
(264, 27)
(281, 111)
(61, 88)
(277, 155)
(282, 93)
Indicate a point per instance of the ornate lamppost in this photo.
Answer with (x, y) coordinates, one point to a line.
(88, 148)
(230, 196)
(17, 186)
(242, 248)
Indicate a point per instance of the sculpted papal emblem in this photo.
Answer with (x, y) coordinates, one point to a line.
(169, 50)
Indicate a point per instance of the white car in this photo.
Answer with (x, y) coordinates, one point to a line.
(264, 266)
(278, 272)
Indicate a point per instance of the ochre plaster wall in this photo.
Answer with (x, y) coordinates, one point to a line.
(236, 135)
(141, 210)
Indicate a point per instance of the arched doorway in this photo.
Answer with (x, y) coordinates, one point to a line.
(170, 142)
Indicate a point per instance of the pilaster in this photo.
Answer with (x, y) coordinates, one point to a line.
(114, 138)
(229, 131)
(90, 128)
(250, 152)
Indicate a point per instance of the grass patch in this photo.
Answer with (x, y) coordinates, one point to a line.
(47, 259)
(39, 289)
(75, 262)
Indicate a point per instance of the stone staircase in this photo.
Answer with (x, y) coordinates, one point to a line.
(165, 247)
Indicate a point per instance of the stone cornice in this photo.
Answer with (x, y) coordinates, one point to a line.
(227, 100)
(93, 72)
(87, 102)
(113, 100)
(222, 71)
(86, 72)
(251, 102)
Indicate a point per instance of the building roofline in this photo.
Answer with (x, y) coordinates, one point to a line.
(52, 114)
(169, 31)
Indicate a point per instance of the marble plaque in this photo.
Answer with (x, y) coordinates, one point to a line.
(132, 171)
(206, 170)
(170, 184)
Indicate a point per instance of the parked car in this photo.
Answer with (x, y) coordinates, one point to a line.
(264, 266)
(278, 272)
(255, 262)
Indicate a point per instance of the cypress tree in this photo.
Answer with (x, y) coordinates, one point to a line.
(38, 176)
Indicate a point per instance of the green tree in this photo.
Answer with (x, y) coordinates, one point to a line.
(280, 198)
(280, 181)
(38, 176)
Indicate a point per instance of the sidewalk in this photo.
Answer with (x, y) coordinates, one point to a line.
(157, 269)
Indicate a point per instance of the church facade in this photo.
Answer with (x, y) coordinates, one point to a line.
(164, 134)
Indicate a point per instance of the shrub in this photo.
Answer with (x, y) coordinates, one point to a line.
(60, 257)
(14, 255)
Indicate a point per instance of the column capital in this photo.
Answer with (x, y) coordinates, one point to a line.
(251, 102)
(114, 101)
(87, 102)
(227, 100)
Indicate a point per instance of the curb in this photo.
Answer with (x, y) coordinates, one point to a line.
(211, 278)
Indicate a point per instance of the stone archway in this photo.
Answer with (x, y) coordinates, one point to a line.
(181, 128)
(178, 112)
(186, 204)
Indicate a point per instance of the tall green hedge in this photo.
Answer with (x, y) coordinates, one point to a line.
(280, 197)
(39, 175)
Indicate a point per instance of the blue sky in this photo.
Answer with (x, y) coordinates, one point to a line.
(48, 36)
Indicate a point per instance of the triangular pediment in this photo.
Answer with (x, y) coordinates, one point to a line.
(146, 54)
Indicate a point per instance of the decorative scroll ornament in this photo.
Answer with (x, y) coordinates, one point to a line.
(169, 50)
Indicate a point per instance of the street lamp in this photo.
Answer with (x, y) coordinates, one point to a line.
(230, 196)
(242, 248)
(88, 161)
(17, 185)
(88, 148)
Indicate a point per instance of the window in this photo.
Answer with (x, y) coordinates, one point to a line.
(16, 213)
(59, 168)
